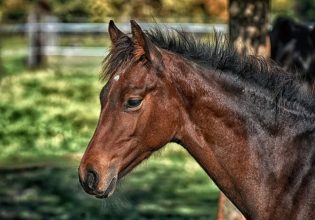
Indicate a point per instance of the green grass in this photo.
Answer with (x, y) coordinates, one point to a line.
(47, 117)
(87, 40)
(168, 186)
(48, 112)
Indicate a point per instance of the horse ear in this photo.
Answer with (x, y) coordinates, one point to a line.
(114, 32)
(143, 45)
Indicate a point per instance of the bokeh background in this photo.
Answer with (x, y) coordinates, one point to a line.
(51, 54)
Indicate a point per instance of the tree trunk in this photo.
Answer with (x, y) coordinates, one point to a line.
(249, 32)
(36, 36)
(36, 57)
(249, 26)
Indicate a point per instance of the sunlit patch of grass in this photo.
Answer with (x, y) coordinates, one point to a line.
(48, 112)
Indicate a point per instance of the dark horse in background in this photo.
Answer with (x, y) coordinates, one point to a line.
(249, 124)
(293, 47)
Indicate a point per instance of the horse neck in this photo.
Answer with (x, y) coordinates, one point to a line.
(215, 132)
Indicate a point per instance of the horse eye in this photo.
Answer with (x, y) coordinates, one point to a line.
(133, 103)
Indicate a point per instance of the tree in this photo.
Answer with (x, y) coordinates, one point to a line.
(36, 57)
(249, 25)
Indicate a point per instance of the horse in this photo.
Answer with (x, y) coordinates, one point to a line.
(293, 47)
(247, 122)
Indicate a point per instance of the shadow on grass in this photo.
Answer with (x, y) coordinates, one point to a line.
(151, 192)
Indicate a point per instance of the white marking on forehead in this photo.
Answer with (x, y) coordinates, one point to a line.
(116, 78)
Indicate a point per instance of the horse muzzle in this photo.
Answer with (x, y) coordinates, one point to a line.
(93, 184)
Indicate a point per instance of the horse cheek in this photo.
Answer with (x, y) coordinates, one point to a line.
(155, 129)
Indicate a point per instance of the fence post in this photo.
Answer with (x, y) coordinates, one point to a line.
(36, 36)
(33, 40)
(51, 37)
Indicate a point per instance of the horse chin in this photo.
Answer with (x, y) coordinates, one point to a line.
(109, 190)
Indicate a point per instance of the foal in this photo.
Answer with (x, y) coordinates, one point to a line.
(246, 122)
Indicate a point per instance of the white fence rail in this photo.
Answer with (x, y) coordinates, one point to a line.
(50, 32)
(102, 27)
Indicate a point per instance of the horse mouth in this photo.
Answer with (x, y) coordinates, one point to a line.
(109, 191)
(129, 167)
(126, 170)
(112, 186)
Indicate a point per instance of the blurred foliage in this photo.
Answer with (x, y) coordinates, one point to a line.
(15, 10)
(303, 10)
(306, 10)
(146, 10)
(100, 10)
(65, 10)
(164, 10)
(283, 7)
(71, 10)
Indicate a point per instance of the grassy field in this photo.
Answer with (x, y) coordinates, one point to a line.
(49, 112)
(47, 117)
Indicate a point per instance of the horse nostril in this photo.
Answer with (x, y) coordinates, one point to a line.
(91, 179)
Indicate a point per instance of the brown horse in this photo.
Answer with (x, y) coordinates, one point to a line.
(247, 123)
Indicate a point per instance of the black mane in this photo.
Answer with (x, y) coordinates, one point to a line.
(218, 54)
